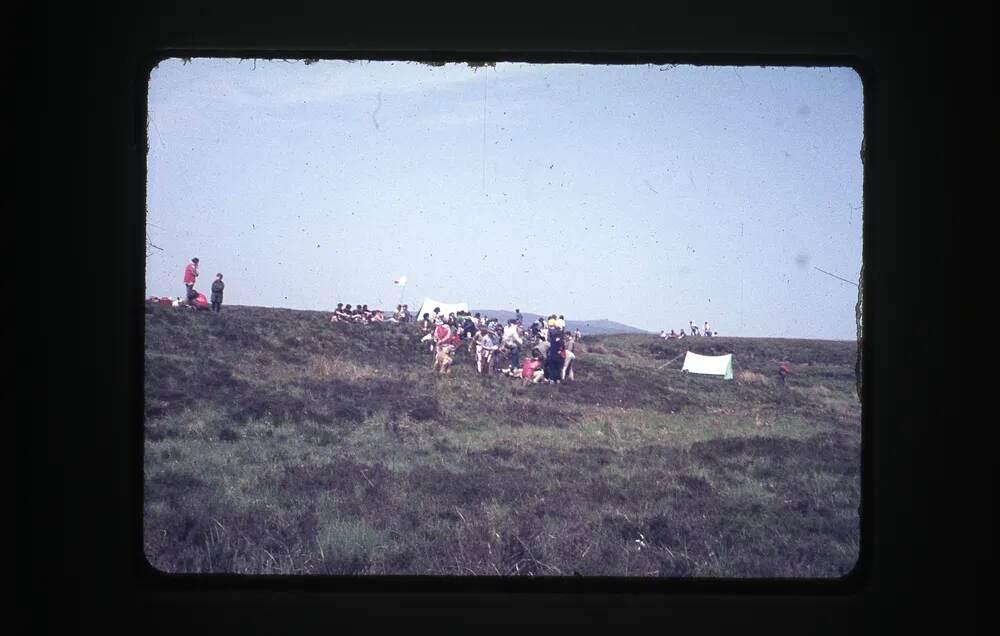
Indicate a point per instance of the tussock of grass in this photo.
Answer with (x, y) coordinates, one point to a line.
(752, 378)
(286, 444)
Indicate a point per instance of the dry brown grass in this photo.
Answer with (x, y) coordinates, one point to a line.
(751, 377)
(329, 367)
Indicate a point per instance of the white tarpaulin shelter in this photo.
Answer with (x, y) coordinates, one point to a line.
(446, 308)
(709, 365)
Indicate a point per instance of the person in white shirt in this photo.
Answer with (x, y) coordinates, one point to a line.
(486, 348)
(513, 341)
(567, 369)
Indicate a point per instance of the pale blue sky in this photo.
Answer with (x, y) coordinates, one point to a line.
(648, 195)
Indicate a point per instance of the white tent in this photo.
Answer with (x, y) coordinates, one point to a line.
(709, 365)
(427, 307)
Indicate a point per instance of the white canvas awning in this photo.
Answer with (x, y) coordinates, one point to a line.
(427, 307)
(709, 365)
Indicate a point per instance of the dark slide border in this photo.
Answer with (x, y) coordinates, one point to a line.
(77, 75)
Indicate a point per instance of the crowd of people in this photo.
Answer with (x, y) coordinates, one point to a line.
(496, 347)
(673, 335)
(360, 314)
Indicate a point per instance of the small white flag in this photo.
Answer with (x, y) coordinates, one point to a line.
(400, 281)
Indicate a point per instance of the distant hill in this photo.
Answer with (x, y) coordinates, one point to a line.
(586, 327)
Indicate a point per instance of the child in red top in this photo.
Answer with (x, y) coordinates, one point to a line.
(532, 366)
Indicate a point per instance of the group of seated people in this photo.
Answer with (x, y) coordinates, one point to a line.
(362, 315)
(496, 347)
(707, 331)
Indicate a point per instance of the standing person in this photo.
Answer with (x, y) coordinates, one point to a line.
(561, 322)
(708, 330)
(468, 331)
(485, 350)
(783, 372)
(501, 350)
(517, 316)
(535, 330)
(440, 338)
(576, 334)
(190, 274)
(512, 340)
(694, 328)
(217, 287)
(554, 357)
(568, 358)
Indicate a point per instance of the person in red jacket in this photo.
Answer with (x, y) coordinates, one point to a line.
(783, 372)
(190, 274)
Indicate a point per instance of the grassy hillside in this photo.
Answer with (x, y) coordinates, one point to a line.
(277, 442)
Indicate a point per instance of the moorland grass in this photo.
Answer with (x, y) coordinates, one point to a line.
(277, 442)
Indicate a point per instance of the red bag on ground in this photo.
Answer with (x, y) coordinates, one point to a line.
(201, 302)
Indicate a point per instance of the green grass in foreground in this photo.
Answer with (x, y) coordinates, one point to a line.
(277, 442)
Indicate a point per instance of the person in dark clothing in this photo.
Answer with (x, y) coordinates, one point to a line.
(554, 356)
(783, 372)
(468, 328)
(217, 287)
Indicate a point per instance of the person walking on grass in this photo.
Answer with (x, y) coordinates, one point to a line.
(513, 341)
(190, 276)
(783, 372)
(217, 287)
(486, 348)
